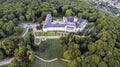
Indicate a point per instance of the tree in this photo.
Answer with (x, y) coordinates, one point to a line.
(68, 12)
(8, 46)
(67, 55)
(1, 24)
(94, 60)
(15, 21)
(102, 64)
(18, 30)
(28, 18)
(14, 63)
(92, 48)
(22, 18)
(11, 16)
(30, 56)
(73, 64)
(73, 52)
(80, 15)
(2, 34)
(54, 12)
(43, 15)
(20, 52)
(64, 8)
(27, 40)
(8, 28)
(39, 20)
(1, 54)
(24, 55)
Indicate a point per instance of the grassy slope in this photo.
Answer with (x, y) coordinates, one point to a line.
(39, 63)
(50, 49)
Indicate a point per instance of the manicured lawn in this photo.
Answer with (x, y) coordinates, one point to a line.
(39, 63)
(4, 66)
(50, 49)
(48, 33)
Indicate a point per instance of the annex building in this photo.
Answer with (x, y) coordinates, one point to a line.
(67, 24)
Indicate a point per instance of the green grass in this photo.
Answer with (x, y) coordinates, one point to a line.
(4, 66)
(50, 49)
(48, 33)
(39, 63)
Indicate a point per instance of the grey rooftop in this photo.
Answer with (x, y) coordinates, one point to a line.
(70, 22)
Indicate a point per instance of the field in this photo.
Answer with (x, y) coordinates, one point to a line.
(48, 33)
(50, 49)
(39, 63)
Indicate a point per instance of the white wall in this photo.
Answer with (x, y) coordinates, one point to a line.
(64, 28)
(70, 30)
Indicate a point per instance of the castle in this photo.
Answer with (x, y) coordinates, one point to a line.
(68, 24)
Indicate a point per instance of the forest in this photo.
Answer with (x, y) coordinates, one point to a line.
(99, 48)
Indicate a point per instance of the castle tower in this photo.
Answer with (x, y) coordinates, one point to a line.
(75, 19)
(64, 19)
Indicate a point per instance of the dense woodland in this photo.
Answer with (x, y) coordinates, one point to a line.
(99, 48)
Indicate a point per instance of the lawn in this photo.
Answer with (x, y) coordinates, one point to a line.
(4, 66)
(39, 63)
(50, 49)
(48, 33)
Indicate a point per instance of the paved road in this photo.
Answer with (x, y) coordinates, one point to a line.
(5, 61)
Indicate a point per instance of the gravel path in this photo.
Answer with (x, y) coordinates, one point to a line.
(51, 60)
(25, 32)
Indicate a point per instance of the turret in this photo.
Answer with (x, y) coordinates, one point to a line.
(64, 19)
(75, 19)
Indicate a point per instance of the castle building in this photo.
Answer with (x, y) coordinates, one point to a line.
(68, 24)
